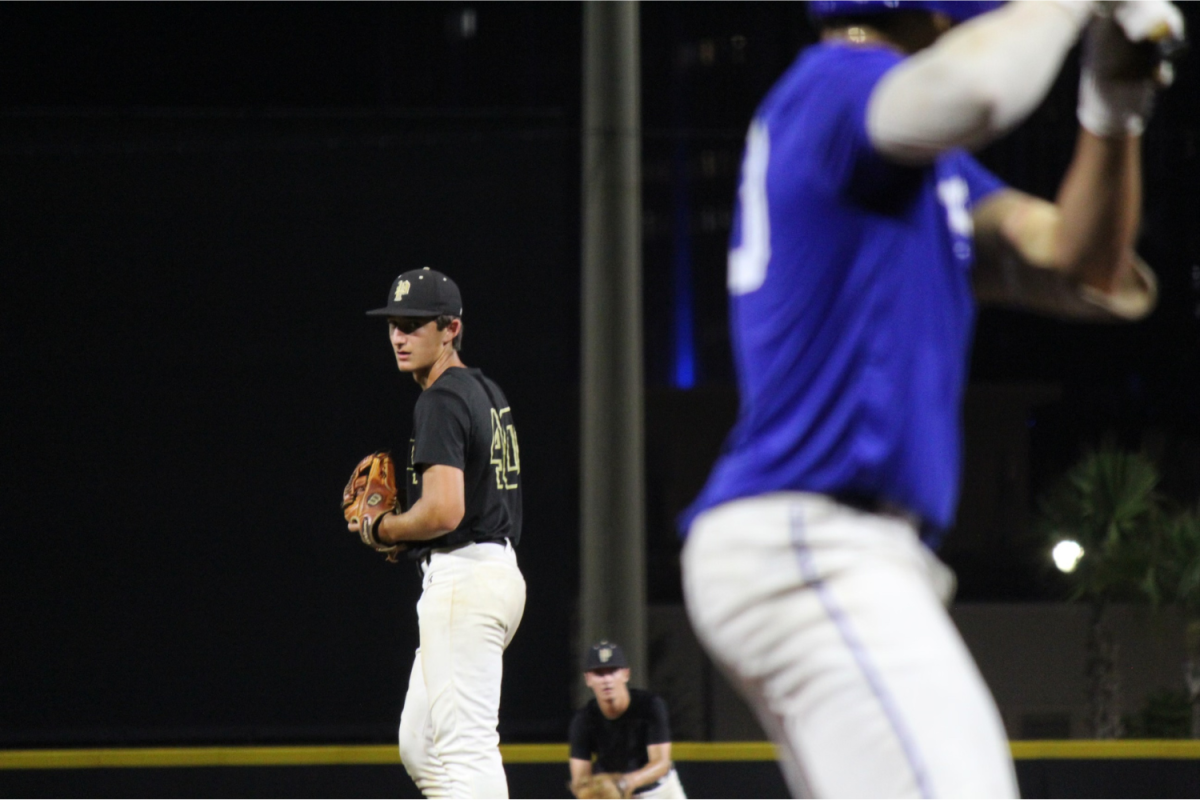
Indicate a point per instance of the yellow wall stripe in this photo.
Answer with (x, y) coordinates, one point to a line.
(1113, 749)
(532, 753)
(521, 754)
(197, 757)
(723, 751)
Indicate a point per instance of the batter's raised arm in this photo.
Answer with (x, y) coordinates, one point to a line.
(977, 82)
(1075, 257)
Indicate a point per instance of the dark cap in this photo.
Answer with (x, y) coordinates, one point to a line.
(605, 654)
(421, 293)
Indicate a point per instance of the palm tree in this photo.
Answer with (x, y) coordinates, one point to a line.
(1180, 578)
(1108, 503)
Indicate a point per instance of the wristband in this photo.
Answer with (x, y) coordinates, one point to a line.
(374, 531)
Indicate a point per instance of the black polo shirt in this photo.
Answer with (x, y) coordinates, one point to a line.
(620, 744)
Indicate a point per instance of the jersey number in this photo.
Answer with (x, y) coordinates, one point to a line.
(506, 454)
(748, 261)
(955, 194)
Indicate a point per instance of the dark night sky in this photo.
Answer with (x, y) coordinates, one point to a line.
(196, 203)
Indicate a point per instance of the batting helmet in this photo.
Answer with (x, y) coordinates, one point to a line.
(957, 10)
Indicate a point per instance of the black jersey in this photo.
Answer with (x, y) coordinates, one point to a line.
(463, 420)
(620, 744)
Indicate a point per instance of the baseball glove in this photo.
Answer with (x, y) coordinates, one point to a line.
(603, 784)
(369, 494)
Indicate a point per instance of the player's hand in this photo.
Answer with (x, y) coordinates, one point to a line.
(1155, 21)
(1150, 34)
(1125, 60)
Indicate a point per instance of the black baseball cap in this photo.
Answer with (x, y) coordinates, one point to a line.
(605, 654)
(421, 292)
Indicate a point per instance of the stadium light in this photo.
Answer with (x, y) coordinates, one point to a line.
(1066, 555)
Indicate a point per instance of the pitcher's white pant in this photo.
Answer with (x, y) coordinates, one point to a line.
(829, 621)
(470, 607)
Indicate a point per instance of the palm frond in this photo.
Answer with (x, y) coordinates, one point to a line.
(1109, 503)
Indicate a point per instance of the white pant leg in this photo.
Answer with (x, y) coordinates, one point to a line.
(416, 736)
(828, 620)
(668, 789)
(471, 606)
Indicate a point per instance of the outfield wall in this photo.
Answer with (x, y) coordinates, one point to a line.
(1164, 768)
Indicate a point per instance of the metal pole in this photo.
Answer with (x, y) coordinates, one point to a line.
(613, 524)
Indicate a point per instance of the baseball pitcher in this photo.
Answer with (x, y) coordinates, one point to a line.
(462, 522)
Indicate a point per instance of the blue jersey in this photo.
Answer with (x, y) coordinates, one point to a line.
(850, 302)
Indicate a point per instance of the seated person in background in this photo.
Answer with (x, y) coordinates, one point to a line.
(627, 730)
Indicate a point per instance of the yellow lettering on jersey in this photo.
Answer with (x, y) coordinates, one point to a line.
(512, 453)
(506, 456)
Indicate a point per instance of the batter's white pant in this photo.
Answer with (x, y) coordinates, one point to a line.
(669, 788)
(470, 607)
(829, 620)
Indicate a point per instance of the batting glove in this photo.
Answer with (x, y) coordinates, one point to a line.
(1125, 60)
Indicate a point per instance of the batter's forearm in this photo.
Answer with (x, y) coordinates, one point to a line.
(1100, 201)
